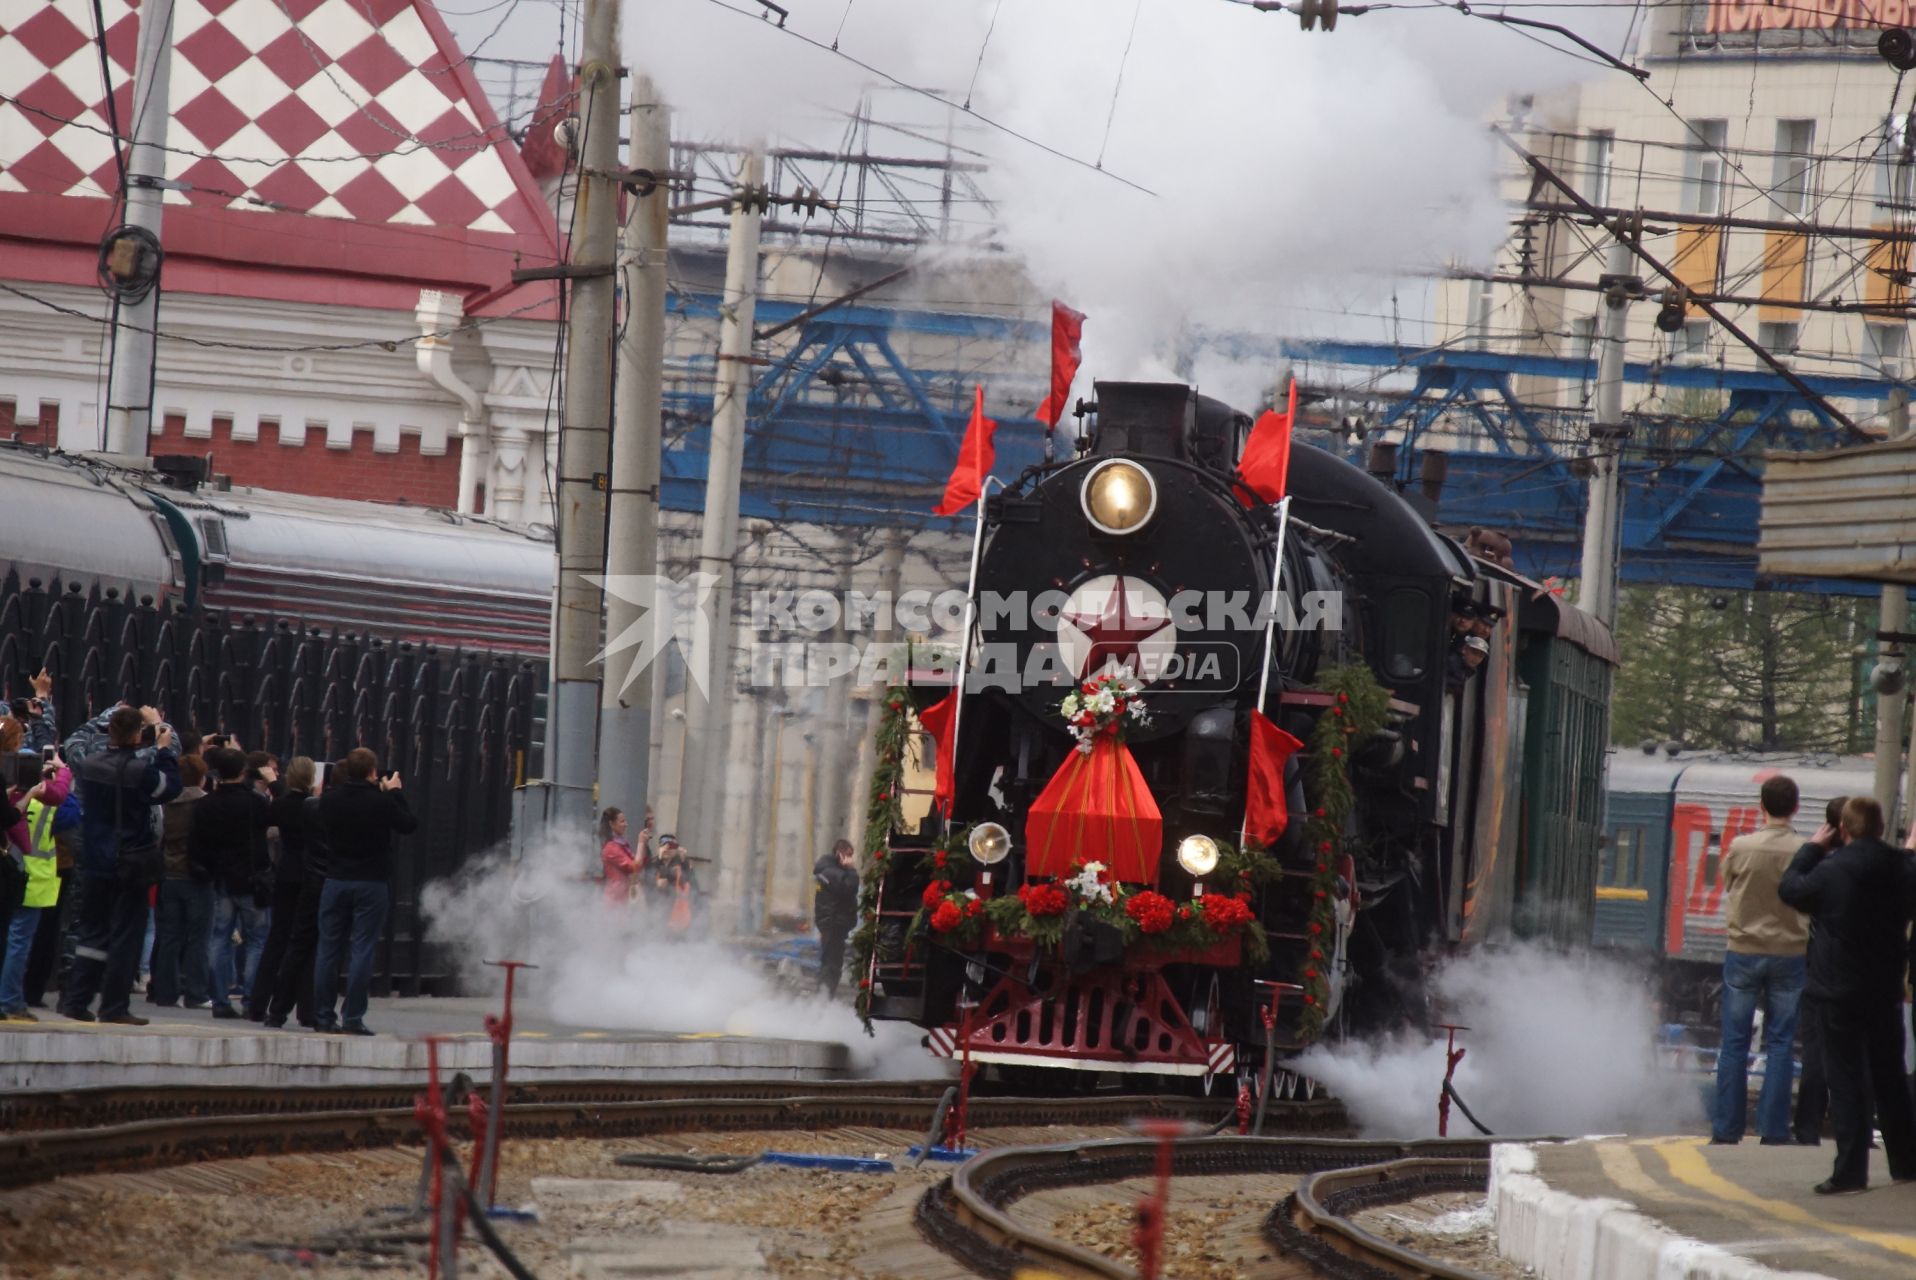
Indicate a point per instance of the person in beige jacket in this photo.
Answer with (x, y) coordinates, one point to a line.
(1763, 963)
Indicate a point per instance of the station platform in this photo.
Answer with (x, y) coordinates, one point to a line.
(1635, 1208)
(190, 1046)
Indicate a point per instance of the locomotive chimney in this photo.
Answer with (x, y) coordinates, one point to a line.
(1433, 469)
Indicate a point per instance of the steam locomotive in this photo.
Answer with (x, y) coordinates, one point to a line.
(1477, 800)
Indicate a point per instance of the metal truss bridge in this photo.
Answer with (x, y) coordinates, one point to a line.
(842, 430)
(1691, 484)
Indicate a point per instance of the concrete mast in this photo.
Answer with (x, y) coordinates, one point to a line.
(632, 533)
(585, 428)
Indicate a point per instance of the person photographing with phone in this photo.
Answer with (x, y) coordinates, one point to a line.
(125, 768)
(359, 815)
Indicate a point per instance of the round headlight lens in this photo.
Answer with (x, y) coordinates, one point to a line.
(989, 843)
(1198, 855)
(1119, 496)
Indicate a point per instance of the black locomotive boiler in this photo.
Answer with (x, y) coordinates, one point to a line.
(1138, 568)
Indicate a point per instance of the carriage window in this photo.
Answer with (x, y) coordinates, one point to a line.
(1406, 633)
(1629, 863)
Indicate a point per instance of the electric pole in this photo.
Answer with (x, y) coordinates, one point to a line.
(585, 427)
(1597, 592)
(708, 726)
(632, 530)
(129, 396)
(1894, 620)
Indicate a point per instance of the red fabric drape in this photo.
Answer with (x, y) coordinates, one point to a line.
(975, 457)
(1096, 808)
(1265, 810)
(938, 720)
(1265, 467)
(1067, 331)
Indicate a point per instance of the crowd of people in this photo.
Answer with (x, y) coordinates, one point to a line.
(661, 883)
(663, 886)
(141, 858)
(1817, 935)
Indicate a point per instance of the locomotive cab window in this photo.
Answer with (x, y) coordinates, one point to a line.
(1406, 633)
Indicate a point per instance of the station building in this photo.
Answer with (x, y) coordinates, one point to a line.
(1762, 134)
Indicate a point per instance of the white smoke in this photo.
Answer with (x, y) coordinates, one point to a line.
(1294, 173)
(1558, 1045)
(615, 968)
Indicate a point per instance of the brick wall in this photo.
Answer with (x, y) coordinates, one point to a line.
(313, 468)
(47, 431)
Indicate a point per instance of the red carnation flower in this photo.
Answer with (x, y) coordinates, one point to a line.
(1151, 909)
(864, 984)
(1318, 813)
(1043, 899)
(1338, 712)
(1343, 698)
(1310, 1000)
(1317, 955)
(1310, 973)
(975, 907)
(1316, 927)
(1222, 914)
(1336, 753)
(947, 917)
(935, 892)
(938, 859)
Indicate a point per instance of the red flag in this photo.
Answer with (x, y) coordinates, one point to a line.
(975, 457)
(938, 720)
(1265, 812)
(1067, 328)
(1266, 463)
(543, 152)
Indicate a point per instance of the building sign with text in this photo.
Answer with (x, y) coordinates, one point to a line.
(1726, 17)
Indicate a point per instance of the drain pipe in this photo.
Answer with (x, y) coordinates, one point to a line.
(436, 314)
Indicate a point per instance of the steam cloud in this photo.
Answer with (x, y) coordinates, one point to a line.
(1558, 1045)
(602, 966)
(1294, 172)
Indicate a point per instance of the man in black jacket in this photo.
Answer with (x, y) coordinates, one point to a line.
(1861, 897)
(834, 910)
(229, 826)
(293, 988)
(359, 818)
(122, 780)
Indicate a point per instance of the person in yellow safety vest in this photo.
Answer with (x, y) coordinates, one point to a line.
(31, 841)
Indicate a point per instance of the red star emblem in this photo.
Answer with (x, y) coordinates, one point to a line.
(1114, 632)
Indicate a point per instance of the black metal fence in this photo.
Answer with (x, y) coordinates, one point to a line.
(457, 724)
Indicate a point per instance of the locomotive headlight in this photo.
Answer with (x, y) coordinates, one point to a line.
(1198, 855)
(989, 843)
(1118, 496)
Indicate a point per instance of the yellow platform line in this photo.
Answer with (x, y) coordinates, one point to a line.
(1685, 1158)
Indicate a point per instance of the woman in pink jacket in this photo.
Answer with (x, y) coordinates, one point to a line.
(622, 866)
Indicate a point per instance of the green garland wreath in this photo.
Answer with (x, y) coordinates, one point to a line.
(884, 813)
(1359, 707)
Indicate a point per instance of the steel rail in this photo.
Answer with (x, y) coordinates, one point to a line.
(968, 1215)
(1319, 1212)
(36, 1156)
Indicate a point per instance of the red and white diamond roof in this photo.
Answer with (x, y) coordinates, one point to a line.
(358, 110)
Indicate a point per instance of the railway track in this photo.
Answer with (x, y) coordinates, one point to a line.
(193, 1125)
(970, 1216)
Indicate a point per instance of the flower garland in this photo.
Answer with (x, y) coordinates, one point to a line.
(1103, 706)
(884, 812)
(1359, 707)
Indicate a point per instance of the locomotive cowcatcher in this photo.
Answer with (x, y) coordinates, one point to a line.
(1139, 572)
